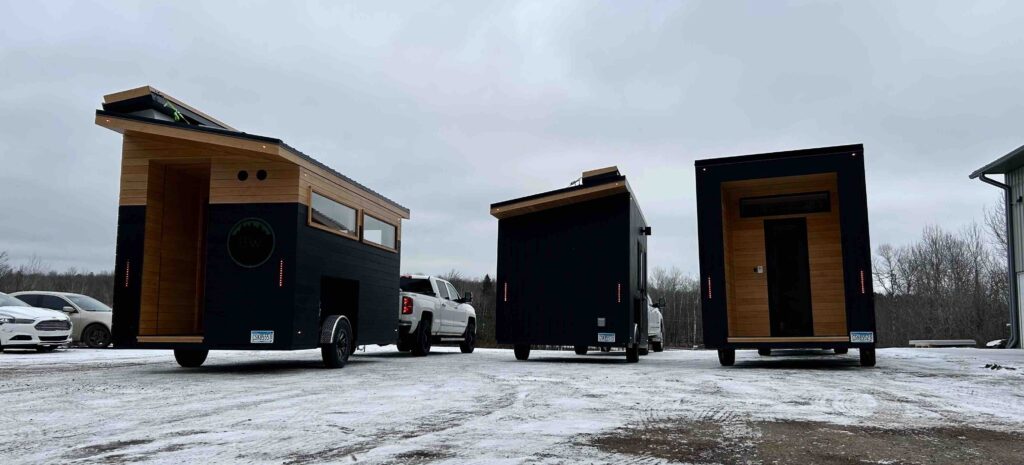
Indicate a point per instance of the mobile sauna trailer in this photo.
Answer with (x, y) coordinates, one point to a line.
(572, 268)
(785, 258)
(228, 240)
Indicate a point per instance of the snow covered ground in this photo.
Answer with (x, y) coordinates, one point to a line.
(126, 406)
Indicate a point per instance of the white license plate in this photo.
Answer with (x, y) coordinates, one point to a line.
(862, 337)
(605, 337)
(261, 337)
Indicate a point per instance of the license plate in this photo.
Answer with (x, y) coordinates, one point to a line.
(261, 337)
(605, 337)
(862, 337)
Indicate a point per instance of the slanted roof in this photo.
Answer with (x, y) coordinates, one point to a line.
(852, 148)
(1002, 165)
(143, 110)
(595, 184)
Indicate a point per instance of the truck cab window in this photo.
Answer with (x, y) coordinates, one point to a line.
(442, 291)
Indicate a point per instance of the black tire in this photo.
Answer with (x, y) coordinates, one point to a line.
(190, 358)
(522, 351)
(96, 336)
(421, 339)
(581, 350)
(841, 350)
(727, 357)
(403, 345)
(764, 352)
(336, 353)
(644, 350)
(46, 349)
(867, 356)
(657, 346)
(468, 338)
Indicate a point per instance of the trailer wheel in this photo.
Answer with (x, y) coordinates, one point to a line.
(867, 356)
(841, 350)
(336, 353)
(468, 339)
(581, 350)
(657, 346)
(421, 342)
(764, 352)
(190, 358)
(522, 351)
(727, 357)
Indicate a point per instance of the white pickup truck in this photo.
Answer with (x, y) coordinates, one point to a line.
(432, 311)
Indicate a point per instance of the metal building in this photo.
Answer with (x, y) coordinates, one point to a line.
(1011, 166)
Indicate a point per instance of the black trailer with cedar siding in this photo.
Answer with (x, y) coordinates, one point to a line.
(785, 256)
(228, 240)
(572, 268)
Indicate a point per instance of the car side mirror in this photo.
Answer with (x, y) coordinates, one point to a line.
(467, 297)
(68, 309)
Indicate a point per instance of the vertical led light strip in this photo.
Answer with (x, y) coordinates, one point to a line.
(862, 289)
(618, 293)
(280, 274)
(127, 271)
(709, 287)
(506, 291)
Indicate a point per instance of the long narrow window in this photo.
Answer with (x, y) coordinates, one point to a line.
(333, 216)
(376, 231)
(788, 204)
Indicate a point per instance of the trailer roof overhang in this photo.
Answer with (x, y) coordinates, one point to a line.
(138, 117)
(595, 184)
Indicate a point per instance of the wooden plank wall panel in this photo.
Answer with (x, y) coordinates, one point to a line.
(747, 292)
(281, 185)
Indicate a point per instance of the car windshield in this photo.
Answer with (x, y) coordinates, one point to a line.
(88, 304)
(8, 301)
(417, 285)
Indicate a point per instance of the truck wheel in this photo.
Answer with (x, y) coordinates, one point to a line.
(96, 336)
(867, 356)
(522, 351)
(581, 350)
(841, 350)
(468, 339)
(190, 358)
(764, 352)
(657, 346)
(336, 353)
(421, 342)
(644, 350)
(727, 357)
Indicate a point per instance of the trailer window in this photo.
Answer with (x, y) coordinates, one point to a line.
(416, 285)
(378, 232)
(789, 204)
(331, 215)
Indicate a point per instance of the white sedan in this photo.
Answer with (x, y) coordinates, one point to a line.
(25, 327)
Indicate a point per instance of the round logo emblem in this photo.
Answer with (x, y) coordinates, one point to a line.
(250, 242)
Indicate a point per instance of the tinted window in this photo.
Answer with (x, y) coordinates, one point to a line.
(52, 302)
(31, 299)
(791, 204)
(442, 290)
(452, 292)
(332, 215)
(417, 285)
(378, 232)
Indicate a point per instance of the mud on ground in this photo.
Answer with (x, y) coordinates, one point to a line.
(811, 443)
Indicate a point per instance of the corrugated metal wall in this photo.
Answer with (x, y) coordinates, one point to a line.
(1015, 179)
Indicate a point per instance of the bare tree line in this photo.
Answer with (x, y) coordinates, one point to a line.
(946, 285)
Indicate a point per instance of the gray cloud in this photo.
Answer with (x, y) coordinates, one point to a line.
(447, 108)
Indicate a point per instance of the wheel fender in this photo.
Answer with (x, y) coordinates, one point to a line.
(330, 325)
(424, 316)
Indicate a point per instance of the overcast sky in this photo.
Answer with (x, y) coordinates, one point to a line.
(446, 107)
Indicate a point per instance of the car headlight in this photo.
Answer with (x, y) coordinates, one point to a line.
(6, 319)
